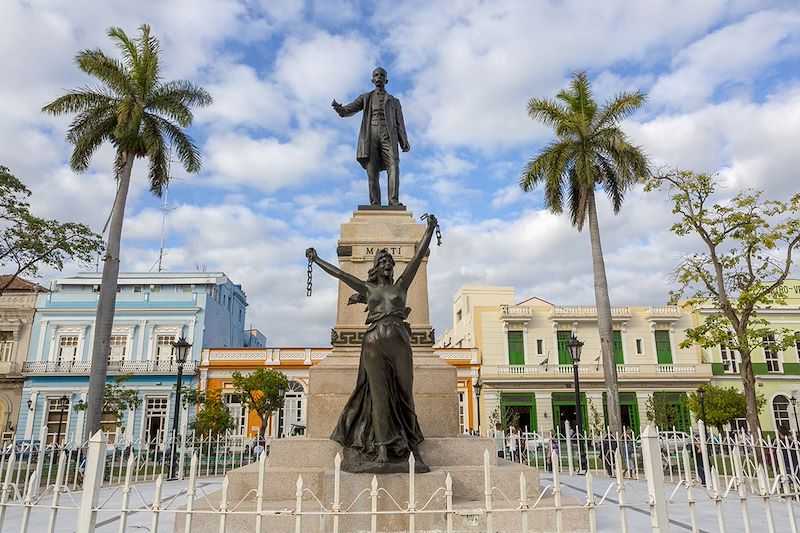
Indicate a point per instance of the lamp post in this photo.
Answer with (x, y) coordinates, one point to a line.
(574, 347)
(794, 409)
(701, 393)
(63, 404)
(476, 387)
(181, 351)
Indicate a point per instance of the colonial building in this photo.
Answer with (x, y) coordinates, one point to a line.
(525, 367)
(17, 309)
(777, 372)
(152, 311)
(218, 364)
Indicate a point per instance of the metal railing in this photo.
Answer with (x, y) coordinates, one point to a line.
(84, 367)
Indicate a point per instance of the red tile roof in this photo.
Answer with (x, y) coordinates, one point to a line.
(20, 284)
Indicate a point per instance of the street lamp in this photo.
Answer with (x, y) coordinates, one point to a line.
(701, 393)
(794, 408)
(181, 351)
(574, 347)
(63, 404)
(476, 387)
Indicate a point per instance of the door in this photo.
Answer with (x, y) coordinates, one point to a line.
(616, 339)
(663, 348)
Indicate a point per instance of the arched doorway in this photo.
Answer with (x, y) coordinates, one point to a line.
(292, 418)
(780, 412)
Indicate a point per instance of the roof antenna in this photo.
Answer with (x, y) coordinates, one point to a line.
(164, 210)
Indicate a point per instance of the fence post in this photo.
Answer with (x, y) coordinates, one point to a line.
(568, 436)
(701, 427)
(651, 455)
(92, 479)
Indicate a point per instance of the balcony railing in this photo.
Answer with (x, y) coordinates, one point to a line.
(587, 311)
(516, 311)
(125, 367)
(664, 311)
(625, 370)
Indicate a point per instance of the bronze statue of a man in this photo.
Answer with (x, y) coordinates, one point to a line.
(382, 129)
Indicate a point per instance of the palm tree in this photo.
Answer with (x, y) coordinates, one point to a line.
(590, 152)
(141, 116)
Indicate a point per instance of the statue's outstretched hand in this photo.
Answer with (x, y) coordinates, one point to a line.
(339, 108)
(432, 222)
(311, 254)
(406, 148)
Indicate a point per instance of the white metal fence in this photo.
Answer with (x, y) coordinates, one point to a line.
(750, 484)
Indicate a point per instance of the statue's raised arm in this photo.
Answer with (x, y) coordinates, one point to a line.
(424, 245)
(349, 279)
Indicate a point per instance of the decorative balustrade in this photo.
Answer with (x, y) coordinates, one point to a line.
(516, 311)
(625, 370)
(664, 311)
(126, 367)
(586, 311)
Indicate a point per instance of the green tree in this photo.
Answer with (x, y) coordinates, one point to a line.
(747, 247)
(213, 418)
(660, 411)
(28, 242)
(720, 405)
(141, 116)
(117, 398)
(590, 152)
(262, 390)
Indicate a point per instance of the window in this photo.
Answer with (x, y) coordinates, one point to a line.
(639, 347)
(663, 347)
(119, 344)
(458, 315)
(95, 288)
(797, 343)
(462, 413)
(771, 355)
(67, 348)
(563, 338)
(164, 349)
(539, 346)
(6, 346)
(238, 412)
(155, 420)
(292, 416)
(516, 348)
(155, 288)
(616, 342)
(57, 416)
(780, 410)
(186, 288)
(730, 364)
(137, 288)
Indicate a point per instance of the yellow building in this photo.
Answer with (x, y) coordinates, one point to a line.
(218, 364)
(525, 366)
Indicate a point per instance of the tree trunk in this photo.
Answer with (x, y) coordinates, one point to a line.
(107, 300)
(604, 325)
(748, 383)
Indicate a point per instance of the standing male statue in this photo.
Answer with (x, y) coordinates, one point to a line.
(382, 129)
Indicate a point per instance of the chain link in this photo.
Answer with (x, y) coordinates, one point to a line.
(308, 285)
(438, 231)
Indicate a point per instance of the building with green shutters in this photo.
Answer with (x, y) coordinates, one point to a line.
(525, 367)
(777, 372)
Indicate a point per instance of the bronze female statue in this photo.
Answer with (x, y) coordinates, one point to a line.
(378, 427)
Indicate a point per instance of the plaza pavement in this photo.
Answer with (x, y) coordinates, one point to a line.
(607, 514)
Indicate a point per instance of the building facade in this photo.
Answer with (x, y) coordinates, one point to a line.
(525, 368)
(17, 310)
(152, 310)
(777, 372)
(218, 364)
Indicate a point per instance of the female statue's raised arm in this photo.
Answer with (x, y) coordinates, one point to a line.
(352, 281)
(408, 274)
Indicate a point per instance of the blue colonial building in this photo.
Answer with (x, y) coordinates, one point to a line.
(152, 311)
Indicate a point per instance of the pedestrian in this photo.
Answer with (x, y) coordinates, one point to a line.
(697, 455)
(513, 443)
(791, 454)
(500, 441)
(552, 451)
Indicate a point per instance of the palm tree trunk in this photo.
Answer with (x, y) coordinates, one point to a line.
(106, 303)
(604, 325)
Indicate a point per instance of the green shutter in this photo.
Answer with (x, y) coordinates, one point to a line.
(563, 338)
(516, 348)
(663, 348)
(619, 358)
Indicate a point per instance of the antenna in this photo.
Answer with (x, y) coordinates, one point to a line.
(164, 211)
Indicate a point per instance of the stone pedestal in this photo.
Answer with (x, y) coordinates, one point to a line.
(331, 382)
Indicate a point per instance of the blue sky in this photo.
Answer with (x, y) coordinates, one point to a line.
(279, 171)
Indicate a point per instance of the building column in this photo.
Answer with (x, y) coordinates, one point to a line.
(129, 421)
(505, 343)
(544, 412)
(39, 356)
(525, 349)
(653, 342)
(641, 402)
(623, 333)
(491, 401)
(31, 414)
(672, 346)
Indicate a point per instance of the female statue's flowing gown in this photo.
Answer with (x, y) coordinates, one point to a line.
(381, 409)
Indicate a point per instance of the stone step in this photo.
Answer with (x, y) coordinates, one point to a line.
(445, 451)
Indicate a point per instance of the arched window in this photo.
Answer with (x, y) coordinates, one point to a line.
(292, 419)
(780, 411)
